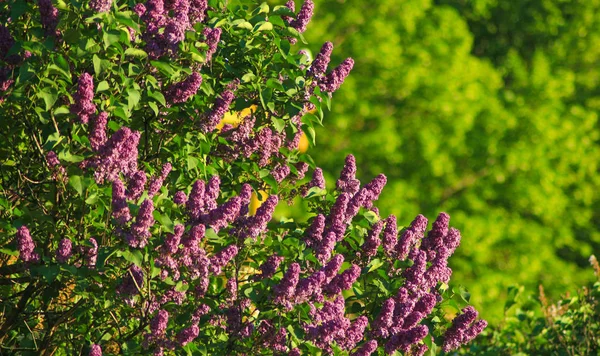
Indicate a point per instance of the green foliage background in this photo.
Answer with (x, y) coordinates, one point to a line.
(487, 110)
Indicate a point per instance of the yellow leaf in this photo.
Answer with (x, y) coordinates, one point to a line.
(235, 118)
(303, 144)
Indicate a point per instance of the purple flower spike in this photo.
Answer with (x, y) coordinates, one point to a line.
(26, 245)
(439, 230)
(180, 92)
(213, 36)
(100, 5)
(343, 281)
(158, 325)
(348, 182)
(119, 203)
(195, 203)
(280, 172)
(461, 331)
(64, 250)
(95, 350)
(91, 253)
(317, 180)
(219, 109)
(304, 16)
(141, 228)
(137, 182)
(213, 189)
(269, 267)
(188, 335)
(157, 182)
(372, 240)
(83, 106)
(218, 261)
(284, 291)
(129, 286)
(355, 333)
(319, 65)
(49, 16)
(380, 327)
(180, 198)
(367, 349)
(197, 11)
(314, 234)
(97, 135)
(336, 78)
(390, 235)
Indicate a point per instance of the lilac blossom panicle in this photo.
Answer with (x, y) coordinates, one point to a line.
(284, 291)
(211, 194)
(91, 253)
(280, 172)
(317, 181)
(177, 25)
(367, 349)
(157, 182)
(304, 16)
(136, 185)
(120, 209)
(100, 5)
(26, 245)
(195, 202)
(270, 266)
(48, 16)
(314, 234)
(95, 350)
(140, 230)
(129, 286)
(188, 335)
(464, 329)
(325, 247)
(374, 189)
(83, 106)
(384, 320)
(197, 11)
(118, 155)
(372, 240)
(335, 79)
(219, 260)
(435, 237)
(343, 281)
(97, 134)
(180, 198)
(180, 92)
(292, 6)
(355, 333)
(213, 36)
(171, 244)
(409, 237)
(253, 226)
(224, 214)
(158, 324)
(321, 61)
(219, 109)
(52, 159)
(64, 251)
(347, 183)
(332, 267)
(390, 235)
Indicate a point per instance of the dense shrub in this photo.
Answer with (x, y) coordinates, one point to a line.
(137, 140)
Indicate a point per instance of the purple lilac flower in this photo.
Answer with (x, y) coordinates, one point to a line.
(131, 286)
(172, 241)
(157, 182)
(64, 251)
(354, 334)
(83, 106)
(284, 291)
(314, 234)
(195, 203)
(435, 237)
(52, 159)
(176, 26)
(292, 6)
(120, 209)
(213, 189)
(117, 155)
(415, 274)
(372, 240)
(337, 216)
(136, 185)
(219, 109)
(197, 11)
(6, 41)
(426, 303)
(100, 5)
(356, 202)
(213, 36)
(310, 286)
(304, 16)
(294, 352)
(406, 338)
(390, 235)
(97, 134)
(280, 172)
(317, 180)
(224, 214)
(319, 65)
(180, 92)
(256, 224)
(26, 245)
(180, 198)
(95, 350)
(188, 335)
(269, 267)
(374, 189)
(49, 16)
(463, 329)
(332, 267)
(140, 230)
(411, 236)
(367, 349)
(267, 143)
(343, 281)
(301, 169)
(347, 183)
(5, 77)
(325, 247)
(329, 324)
(218, 261)
(91, 253)
(231, 287)
(158, 324)
(381, 325)
(335, 79)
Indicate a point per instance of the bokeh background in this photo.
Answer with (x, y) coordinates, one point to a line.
(484, 109)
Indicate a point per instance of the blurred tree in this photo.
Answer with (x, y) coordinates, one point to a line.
(486, 110)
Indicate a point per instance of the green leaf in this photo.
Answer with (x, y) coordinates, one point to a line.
(49, 96)
(265, 26)
(371, 216)
(164, 220)
(163, 67)
(245, 24)
(136, 52)
(133, 98)
(102, 86)
(134, 257)
(375, 264)
(9, 252)
(78, 183)
(111, 37)
(154, 107)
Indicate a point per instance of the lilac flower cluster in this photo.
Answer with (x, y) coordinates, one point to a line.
(26, 245)
(118, 155)
(95, 350)
(219, 109)
(157, 182)
(336, 77)
(120, 209)
(464, 329)
(135, 186)
(140, 229)
(97, 134)
(100, 5)
(304, 16)
(321, 61)
(269, 267)
(64, 251)
(132, 283)
(213, 36)
(83, 106)
(180, 92)
(252, 226)
(48, 17)
(6, 41)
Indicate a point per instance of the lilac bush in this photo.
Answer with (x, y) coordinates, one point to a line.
(141, 213)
